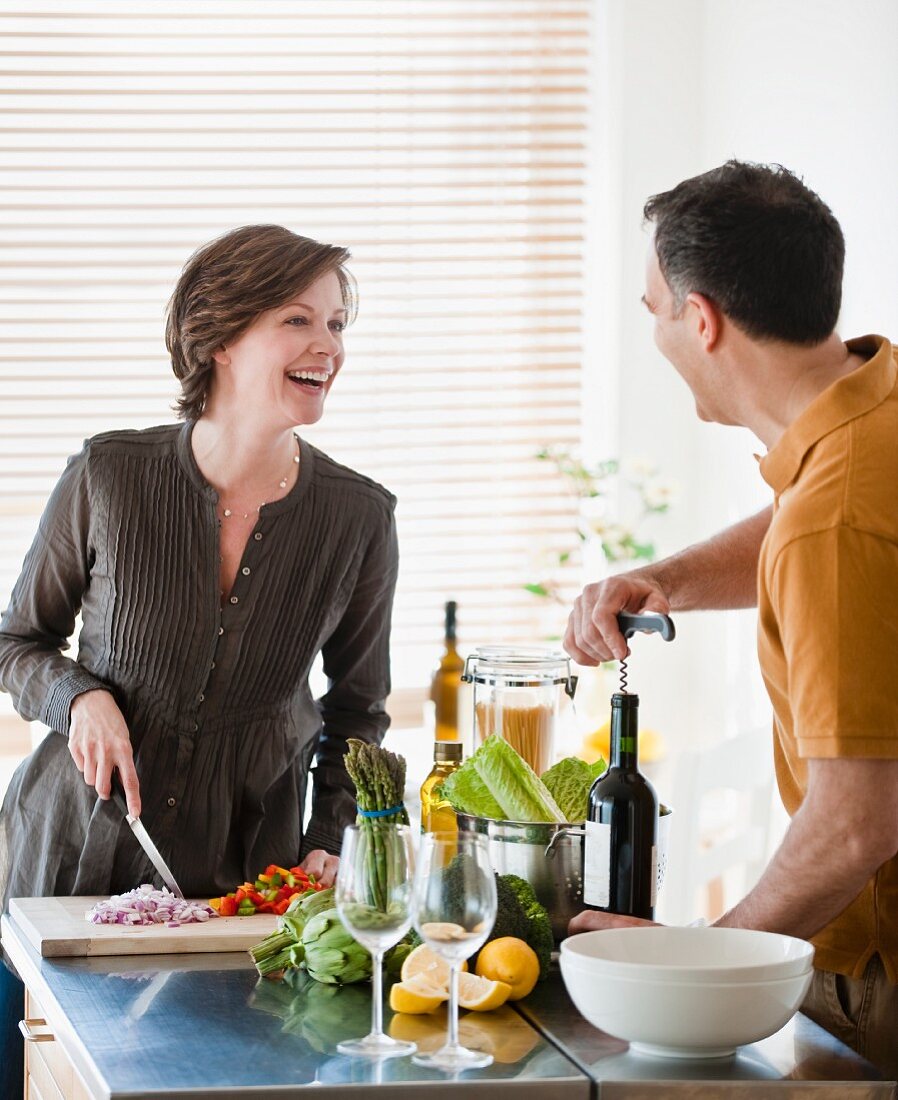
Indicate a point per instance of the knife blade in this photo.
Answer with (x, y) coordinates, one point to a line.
(143, 837)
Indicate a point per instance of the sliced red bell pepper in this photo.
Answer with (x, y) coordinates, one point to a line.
(228, 907)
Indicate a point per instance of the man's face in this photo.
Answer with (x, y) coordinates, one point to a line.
(677, 336)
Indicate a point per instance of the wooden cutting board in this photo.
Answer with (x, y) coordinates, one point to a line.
(56, 928)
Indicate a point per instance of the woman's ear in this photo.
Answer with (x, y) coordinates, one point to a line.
(220, 357)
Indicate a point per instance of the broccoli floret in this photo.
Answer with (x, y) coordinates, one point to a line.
(518, 913)
(519, 909)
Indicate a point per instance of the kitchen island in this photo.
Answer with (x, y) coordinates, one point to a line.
(149, 1027)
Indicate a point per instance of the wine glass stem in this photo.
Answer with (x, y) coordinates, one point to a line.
(377, 1004)
(453, 1005)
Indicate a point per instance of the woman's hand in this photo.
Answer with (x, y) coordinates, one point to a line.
(322, 866)
(99, 741)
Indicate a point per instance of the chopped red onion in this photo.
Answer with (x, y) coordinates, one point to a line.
(147, 905)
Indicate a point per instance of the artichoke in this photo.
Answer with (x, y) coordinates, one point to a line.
(330, 954)
(276, 953)
(396, 956)
(302, 908)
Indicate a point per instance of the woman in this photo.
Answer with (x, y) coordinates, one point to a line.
(212, 561)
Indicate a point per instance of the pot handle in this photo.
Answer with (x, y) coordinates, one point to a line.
(573, 830)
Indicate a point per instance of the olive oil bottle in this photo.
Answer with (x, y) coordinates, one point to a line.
(437, 815)
(446, 681)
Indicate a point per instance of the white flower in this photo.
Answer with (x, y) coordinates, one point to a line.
(658, 493)
(593, 509)
(640, 468)
(615, 537)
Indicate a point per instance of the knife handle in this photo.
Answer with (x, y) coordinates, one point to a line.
(118, 793)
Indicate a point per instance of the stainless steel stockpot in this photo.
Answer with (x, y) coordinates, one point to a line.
(550, 857)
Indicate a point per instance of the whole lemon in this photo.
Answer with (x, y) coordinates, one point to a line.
(512, 961)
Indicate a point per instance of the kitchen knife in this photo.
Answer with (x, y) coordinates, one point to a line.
(143, 837)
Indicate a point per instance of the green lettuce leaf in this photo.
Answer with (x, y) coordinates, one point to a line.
(507, 784)
(467, 792)
(569, 781)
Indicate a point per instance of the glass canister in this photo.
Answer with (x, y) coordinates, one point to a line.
(518, 692)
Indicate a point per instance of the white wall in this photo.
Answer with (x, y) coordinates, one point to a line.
(686, 85)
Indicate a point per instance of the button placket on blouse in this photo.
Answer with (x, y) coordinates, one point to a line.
(224, 615)
(186, 743)
(239, 586)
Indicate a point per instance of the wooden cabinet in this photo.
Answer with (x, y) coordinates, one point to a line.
(49, 1074)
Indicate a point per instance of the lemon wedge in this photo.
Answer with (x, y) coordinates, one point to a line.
(481, 994)
(417, 995)
(443, 931)
(425, 961)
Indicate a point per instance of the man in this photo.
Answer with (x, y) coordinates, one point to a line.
(743, 281)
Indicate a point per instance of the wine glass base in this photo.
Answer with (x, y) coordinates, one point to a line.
(453, 1059)
(376, 1046)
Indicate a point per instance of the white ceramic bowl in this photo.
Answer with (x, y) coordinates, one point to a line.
(686, 992)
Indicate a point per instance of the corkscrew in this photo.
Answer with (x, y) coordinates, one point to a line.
(649, 622)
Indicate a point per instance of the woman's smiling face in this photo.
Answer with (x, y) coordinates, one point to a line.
(282, 367)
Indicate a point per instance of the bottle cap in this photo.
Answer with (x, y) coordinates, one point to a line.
(447, 751)
(451, 627)
(624, 700)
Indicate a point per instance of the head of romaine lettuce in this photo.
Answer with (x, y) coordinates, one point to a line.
(569, 782)
(497, 782)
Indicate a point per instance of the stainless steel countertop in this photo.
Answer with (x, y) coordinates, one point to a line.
(170, 1026)
(801, 1060)
(165, 1026)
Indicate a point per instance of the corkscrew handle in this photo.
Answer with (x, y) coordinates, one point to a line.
(652, 622)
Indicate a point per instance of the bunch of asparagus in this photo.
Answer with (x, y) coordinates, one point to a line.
(379, 777)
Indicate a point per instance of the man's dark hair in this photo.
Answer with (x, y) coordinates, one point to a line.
(763, 247)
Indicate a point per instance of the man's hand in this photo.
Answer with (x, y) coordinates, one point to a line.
(591, 921)
(99, 741)
(592, 634)
(322, 866)
(718, 573)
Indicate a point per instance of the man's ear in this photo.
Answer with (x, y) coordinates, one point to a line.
(707, 317)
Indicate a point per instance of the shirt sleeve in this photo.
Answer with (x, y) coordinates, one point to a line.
(357, 664)
(40, 618)
(835, 595)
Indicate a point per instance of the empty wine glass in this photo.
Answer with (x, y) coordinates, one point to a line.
(373, 896)
(454, 912)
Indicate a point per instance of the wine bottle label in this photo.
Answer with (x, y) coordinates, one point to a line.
(597, 865)
(654, 875)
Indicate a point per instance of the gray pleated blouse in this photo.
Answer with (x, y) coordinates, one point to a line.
(222, 721)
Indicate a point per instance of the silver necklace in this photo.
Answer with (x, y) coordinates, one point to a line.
(282, 484)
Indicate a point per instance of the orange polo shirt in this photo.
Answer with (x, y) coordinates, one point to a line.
(828, 613)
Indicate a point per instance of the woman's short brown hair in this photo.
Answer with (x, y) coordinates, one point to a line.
(227, 284)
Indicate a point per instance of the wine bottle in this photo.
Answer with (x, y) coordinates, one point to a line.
(437, 814)
(446, 681)
(620, 861)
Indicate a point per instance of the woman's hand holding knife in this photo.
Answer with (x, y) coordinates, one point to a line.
(99, 741)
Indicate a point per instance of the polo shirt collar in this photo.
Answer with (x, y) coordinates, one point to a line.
(852, 396)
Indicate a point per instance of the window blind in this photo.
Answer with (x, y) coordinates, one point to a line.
(444, 142)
